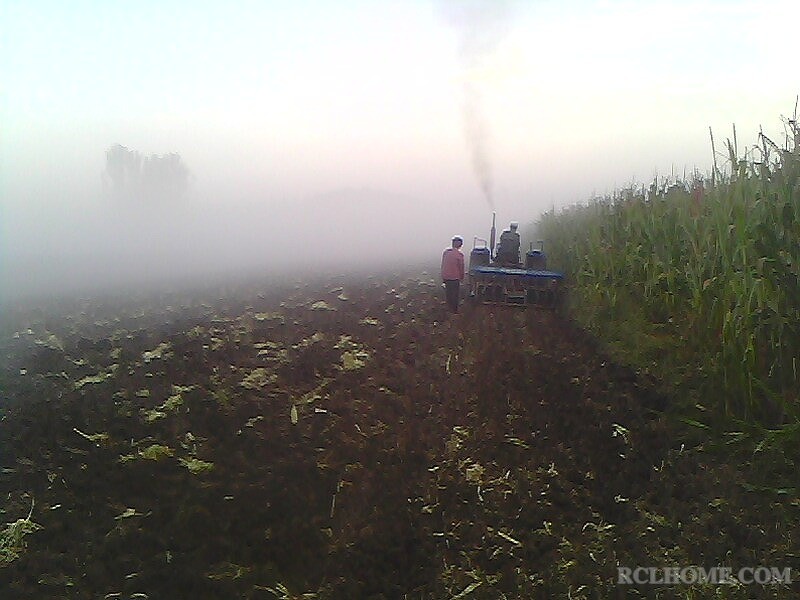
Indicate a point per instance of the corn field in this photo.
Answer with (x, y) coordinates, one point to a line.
(701, 276)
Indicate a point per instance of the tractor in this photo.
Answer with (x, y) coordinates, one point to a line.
(498, 276)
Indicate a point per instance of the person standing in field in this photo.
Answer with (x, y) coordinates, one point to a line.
(453, 272)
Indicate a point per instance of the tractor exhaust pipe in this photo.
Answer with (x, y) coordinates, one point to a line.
(492, 237)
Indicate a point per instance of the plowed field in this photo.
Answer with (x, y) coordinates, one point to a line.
(348, 438)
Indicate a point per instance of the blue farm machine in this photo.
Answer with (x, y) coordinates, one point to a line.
(498, 276)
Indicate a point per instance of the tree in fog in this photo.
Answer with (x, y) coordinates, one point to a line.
(123, 171)
(164, 176)
(130, 175)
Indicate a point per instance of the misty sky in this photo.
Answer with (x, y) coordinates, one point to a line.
(397, 115)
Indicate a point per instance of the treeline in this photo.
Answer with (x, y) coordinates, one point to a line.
(698, 279)
(128, 174)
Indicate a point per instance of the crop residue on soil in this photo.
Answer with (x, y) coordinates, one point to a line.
(348, 439)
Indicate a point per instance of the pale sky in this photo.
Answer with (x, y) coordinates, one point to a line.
(280, 103)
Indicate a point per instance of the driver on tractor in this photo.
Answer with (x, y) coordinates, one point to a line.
(508, 248)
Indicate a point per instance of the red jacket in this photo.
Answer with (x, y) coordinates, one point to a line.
(452, 264)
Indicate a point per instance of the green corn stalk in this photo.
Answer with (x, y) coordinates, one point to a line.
(717, 258)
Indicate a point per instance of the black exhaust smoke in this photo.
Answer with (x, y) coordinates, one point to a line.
(481, 26)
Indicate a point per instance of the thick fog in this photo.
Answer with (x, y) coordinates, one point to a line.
(340, 137)
(112, 244)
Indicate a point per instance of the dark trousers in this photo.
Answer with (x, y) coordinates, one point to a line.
(451, 288)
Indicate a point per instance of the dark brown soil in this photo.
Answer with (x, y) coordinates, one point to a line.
(351, 439)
